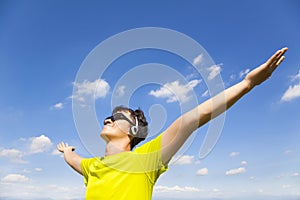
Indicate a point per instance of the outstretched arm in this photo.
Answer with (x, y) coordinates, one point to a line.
(70, 156)
(176, 134)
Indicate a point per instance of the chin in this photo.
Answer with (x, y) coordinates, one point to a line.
(104, 136)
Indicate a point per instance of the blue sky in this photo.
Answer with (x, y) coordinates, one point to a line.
(44, 43)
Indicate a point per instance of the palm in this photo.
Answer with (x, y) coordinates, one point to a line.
(264, 71)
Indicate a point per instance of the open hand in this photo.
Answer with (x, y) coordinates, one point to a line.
(264, 71)
(62, 147)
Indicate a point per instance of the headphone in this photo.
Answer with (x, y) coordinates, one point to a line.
(135, 129)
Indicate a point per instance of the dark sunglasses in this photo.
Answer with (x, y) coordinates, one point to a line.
(118, 116)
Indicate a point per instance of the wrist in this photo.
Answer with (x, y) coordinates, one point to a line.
(248, 84)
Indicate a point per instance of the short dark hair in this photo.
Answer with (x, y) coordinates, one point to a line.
(142, 121)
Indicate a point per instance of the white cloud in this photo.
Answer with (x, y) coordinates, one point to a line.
(296, 77)
(191, 76)
(182, 160)
(287, 152)
(286, 186)
(291, 93)
(58, 106)
(244, 162)
(295, 174)
(37, 169)
(198, 59)
(26, 171)
(198, 162)
(176, 188)
(174, 91)
(205, 94)
(121, 90)
(39, 144)
(14, 178)
(56, 152)
(13, 155)
(232, 77)
(239, 170)
(202, 172)
(86, 89)
(233, 154)
(214, 70)
(21, 189)
(243, 72)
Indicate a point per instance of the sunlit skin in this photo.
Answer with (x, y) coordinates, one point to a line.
(116, 133)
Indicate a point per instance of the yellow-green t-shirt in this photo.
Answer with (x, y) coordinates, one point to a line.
(124, 176)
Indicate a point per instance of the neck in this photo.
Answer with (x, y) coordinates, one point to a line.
(115, 147)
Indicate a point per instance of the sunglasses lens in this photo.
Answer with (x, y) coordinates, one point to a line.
(118, 116)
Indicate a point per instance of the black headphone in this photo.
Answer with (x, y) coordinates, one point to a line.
(135, 129)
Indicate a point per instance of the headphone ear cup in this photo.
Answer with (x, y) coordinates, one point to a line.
(134, 130)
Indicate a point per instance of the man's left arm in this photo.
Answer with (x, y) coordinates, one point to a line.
(178, 132)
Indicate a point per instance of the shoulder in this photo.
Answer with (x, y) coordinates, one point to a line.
(89, 161)
(150, 146)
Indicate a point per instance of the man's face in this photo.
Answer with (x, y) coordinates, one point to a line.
(116, 126)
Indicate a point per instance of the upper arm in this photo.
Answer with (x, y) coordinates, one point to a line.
(74, 160)
(177, 133)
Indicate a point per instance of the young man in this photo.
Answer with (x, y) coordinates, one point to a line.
(124, 174)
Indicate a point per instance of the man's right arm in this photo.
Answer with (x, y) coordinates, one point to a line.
(70, 156)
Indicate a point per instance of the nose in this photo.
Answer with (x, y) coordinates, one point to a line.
(107, 121)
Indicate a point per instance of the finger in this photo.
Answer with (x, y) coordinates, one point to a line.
(281, 53)
(276, 56)
(280, 60)
(276, 59)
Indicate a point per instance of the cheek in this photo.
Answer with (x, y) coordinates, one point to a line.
(123, 126)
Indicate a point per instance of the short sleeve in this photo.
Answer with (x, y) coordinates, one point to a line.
(85, 168)
(153, 148)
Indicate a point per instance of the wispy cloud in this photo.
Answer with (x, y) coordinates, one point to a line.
(202, 172)
(56, 152)
(37, 169)
(182, 160)
(239, 170)
(205, 94)
(14, 178)
(240, 75)
(244, 72)
(175, 91)
(86, 89)
(293, 91)
(214, 70)
(244, 162)
(296, 77)
(197, 60)
(57, 106)
(176, 188)
(234, 154)
(121, 90)
(295, 174)
(13, 155)
(286, 186)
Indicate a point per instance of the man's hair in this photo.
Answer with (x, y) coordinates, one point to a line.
(142, 124)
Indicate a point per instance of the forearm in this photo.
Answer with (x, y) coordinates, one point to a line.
(73, 159)
(221, 102)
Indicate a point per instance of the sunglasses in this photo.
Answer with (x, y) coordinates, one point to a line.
(118, 116)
